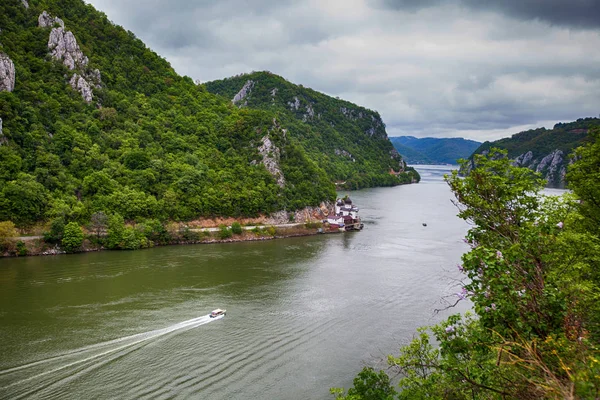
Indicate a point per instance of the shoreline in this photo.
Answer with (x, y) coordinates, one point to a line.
(37, 246)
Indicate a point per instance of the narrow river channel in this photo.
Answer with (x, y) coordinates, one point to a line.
(303, 314)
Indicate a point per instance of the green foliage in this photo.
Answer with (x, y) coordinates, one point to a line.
(348, 141)
(21, 248)
(115, 231)
(151, 146)
(541, 142)
(236, 228)
(583, 177)
(532, 277)
(55, 234)
(224, 232)
(7, 232)
(72, 237)
(133, 239)
(368, 385)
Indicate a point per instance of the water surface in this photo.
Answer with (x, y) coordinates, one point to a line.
(303, 314)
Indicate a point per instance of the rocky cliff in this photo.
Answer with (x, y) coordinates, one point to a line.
(546, 151)
(7, 74)
(63, 47)
(349, 141)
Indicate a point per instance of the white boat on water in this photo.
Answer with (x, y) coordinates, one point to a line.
(216, 313)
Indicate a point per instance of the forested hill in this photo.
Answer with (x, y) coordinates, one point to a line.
(348, 141)
(545, 150)
(434, 150)
(92, 120)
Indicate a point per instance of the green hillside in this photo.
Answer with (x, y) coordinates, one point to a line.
(147, 143)
(564, 136)
(546, 151)
(434, 150)
(348, 141)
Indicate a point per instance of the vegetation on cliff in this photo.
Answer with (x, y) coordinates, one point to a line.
(151, 144)
(546, 151)
(348, 141)
(532, 276)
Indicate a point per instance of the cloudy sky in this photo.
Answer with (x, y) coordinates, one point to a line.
(480, 69)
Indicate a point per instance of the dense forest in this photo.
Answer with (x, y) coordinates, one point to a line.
(95, 122)
(546, 151)
(433, 150)
(348, 141)
(532, 277)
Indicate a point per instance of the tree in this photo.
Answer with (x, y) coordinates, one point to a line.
(532, 276)
(98, 223)
(7, 233)
(583, 177)
(72, 237)
(236, 228)
(115, 232)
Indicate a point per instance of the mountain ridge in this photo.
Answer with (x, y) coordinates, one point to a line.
(431, 150)
(349, 141)
(547, 151)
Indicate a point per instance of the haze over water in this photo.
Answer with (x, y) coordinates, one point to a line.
(303, 314)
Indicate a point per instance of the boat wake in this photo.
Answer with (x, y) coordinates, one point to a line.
(28, 379)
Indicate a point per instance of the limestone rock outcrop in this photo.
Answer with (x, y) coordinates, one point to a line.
(25, 3)
(47, 21)
(243, 93)
(270, 159)
(63, 47)
(79, 83)
(295, 105)
(7, 74)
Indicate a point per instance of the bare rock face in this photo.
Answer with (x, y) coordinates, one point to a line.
(63, 46)
(7, 74)
(244, 92)
(310, 113)
(270, 158)
(523, 160)
(344, 153)
(3, 139)
(25, 3)
(47, 21)
(295, 105)
(79, 83)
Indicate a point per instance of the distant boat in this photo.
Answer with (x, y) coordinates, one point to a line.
(216, 313)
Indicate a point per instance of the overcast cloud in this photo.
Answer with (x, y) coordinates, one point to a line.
(479, 69)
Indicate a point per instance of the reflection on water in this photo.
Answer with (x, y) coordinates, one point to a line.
(303, 314)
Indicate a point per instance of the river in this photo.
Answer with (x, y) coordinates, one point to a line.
(303, 314)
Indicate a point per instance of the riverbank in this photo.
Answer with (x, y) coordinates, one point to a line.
(181, 235)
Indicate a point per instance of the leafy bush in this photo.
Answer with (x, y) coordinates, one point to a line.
(236, 228)
(7, 232)
(115, 231)
(72, 237)
(21, 248)
(55, 234)
(224, 232)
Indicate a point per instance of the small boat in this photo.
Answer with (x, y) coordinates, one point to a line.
(216, 313)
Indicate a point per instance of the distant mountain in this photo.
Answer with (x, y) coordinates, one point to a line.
(433, 150)
(545, 150)
(348, 141)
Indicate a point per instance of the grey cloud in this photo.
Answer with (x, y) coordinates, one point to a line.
(436, 69)
(570, 13)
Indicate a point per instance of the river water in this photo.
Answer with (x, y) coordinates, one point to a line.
(303, 314)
